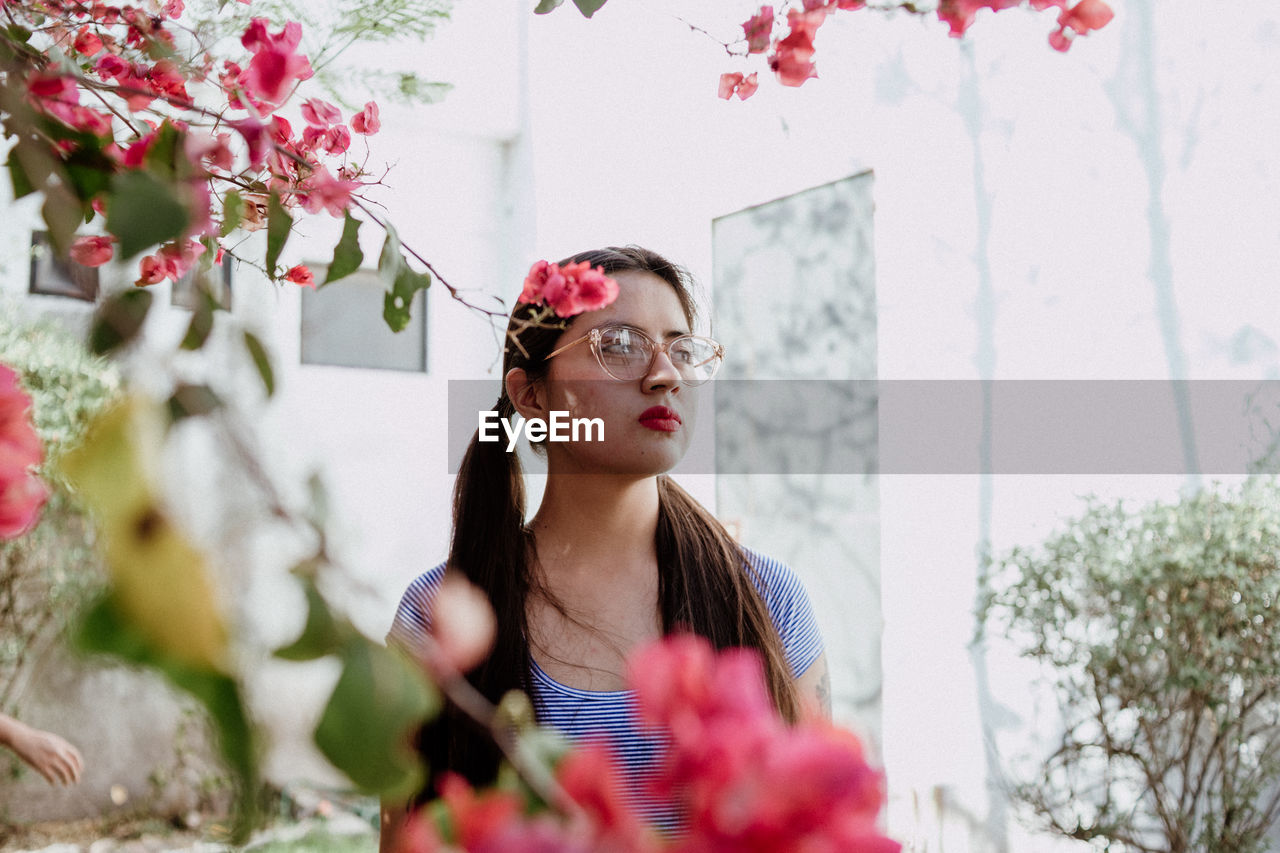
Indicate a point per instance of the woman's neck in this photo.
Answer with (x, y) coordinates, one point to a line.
(588, 522)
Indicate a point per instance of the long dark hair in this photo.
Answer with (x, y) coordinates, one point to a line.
(703, 581)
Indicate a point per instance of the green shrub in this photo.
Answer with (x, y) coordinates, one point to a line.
(46, 575)
(1159, 629)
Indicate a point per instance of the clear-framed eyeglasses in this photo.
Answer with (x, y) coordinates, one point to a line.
(627, 354)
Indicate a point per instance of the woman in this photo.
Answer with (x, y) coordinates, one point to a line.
(617, 554)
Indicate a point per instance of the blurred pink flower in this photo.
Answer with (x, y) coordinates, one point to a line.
(320, 113)
(322, 191)
(22, 494)
(275, 67)
(93, 250)
(462, 625)
(302, 276)
(366, 122)
(758, 29)
(734, 83)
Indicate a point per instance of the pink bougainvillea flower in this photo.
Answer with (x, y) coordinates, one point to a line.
(792, 58)
(463, 626)
(22, 494)
(275, 67)
(137, 150)
(850, 4)
(153, 269)
(322, 191)
(331, 140)
(320, 113)
(593, 290)
(165, 79)
(257, 138)
(21, 499)
(589, 775)
(758, 29)
(19, 443)
(174, 8)
(1086, 15)
(301, 276)
(272, 73)
(568, 291)
(213, 151)
(93, 250)
(366, 122)
(87, 42)
(734, 83)
(747, 780)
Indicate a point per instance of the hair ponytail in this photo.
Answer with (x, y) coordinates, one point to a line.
(488, 547)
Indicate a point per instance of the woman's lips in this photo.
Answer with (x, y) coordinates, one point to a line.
(660, 418)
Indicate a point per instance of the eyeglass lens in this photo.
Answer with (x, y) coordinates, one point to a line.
(627, 354)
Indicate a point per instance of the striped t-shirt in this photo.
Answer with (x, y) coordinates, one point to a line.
(590, 714)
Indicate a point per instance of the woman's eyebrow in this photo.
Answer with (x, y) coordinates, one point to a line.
(670, 333)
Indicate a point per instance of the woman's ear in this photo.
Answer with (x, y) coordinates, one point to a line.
(525, 394)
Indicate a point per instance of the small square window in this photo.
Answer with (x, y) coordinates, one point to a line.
(54, 274)
(342, 325)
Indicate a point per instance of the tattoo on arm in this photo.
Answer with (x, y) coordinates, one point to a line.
(824, 691)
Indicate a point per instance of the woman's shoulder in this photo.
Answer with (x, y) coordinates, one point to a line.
(789, 608)
(413, 616)
(775, 580)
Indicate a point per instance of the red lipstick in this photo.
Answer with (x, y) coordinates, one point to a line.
(660, 418)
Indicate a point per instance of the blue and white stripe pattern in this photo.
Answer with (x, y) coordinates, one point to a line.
(587, 714)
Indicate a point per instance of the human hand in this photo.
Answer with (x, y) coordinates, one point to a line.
(49, 755)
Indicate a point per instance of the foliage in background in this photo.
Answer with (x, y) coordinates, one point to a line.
(329, 29)
(48, 574)
(1159, 630)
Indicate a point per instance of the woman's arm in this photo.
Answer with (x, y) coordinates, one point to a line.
(814, 686)
(51, 756)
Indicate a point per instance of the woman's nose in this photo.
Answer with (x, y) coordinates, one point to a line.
(662, 373)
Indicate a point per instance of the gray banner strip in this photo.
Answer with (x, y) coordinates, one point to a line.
(861, 427)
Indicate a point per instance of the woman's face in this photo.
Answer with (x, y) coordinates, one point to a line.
(639, 438)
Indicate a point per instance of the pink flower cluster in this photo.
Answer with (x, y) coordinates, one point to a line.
(792, 53)
(116, 49)
(746, 780)
(22, 494)
(569, 290)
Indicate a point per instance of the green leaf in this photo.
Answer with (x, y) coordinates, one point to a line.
(62, 213)
(162, 156)
(192, 401)
(396, 303)
(143, 211)
(366, 728)
(261, 361)
(347, 256)
(546, 6)
(323, 634)
(201, 320)
(588, 7)
(105, 630)
(390, 261)
(22, 185)
(118, 320)
(232, 212)
(279, 224)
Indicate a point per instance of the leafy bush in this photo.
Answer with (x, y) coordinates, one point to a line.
(1160, 632)
(46, 575)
